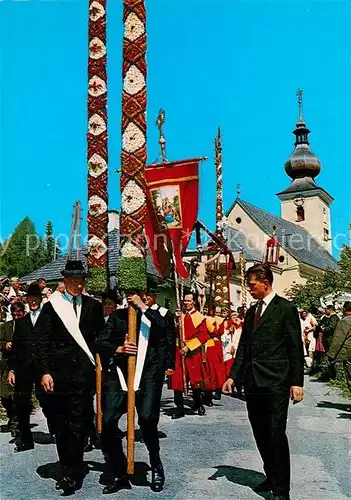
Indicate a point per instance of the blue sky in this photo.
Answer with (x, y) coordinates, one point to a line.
(222, 62)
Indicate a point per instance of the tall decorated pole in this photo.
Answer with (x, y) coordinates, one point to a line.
(132, 264)
(221, 280)
(97, 149)
(219, 184)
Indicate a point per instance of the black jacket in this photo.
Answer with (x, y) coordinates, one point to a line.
(160, 354)
(274, 350)
(58, 353)
(24, 344)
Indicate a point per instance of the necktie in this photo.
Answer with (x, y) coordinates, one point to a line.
(75, 305)
(258, 313)
(34, 316)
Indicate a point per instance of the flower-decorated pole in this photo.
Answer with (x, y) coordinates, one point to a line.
(219, 184)
(220, 283)
(97, 148)
(132, 264)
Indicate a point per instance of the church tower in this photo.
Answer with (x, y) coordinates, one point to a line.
(304, 202)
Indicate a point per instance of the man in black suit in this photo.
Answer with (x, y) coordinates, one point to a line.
(68, 327)
(23, 370)
(270, 366)
(114, 349)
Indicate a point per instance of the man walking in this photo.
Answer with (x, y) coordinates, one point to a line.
(340, 348)
(68, 327)
(270, 366)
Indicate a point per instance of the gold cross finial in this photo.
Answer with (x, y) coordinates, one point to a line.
(238, 190)
(161, 118)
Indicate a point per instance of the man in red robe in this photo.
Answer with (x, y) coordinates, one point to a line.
(191, 349)
(214, 358)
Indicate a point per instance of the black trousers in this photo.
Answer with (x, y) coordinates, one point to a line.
(268, 411)
(114, 405)
(26, 380)
(72, 406)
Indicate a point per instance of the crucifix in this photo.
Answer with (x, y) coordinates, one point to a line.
(161, 118)
(299, 94)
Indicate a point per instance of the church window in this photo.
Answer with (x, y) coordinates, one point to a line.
(238, 220)
(326, 234)
(281, 258)
(300, 214)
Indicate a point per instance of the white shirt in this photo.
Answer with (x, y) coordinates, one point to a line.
(34, 315)
(266, 301)
(67, 296)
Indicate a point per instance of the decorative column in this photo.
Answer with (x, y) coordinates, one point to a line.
(219, 184)
(221, 290)
(132, 265)
(97, 149)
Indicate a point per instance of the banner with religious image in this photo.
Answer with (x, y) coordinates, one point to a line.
(172, 208)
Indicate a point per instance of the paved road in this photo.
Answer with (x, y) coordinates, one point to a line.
(211, 457)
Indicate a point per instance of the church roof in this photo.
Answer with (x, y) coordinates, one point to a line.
(52, 270)
(237, 240)
(294, 239)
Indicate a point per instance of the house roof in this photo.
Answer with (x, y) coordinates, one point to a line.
(293, 238)
(52, 270)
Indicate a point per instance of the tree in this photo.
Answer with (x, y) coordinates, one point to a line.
(52, 248)
(332, 281)
(20, 252)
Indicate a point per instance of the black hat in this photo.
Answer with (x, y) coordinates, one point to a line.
(112, 295)
(153, 289)
(75, 269)
(34, 290)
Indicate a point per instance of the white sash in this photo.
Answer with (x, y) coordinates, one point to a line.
(162, 310)
(144, 334)
(68, 317)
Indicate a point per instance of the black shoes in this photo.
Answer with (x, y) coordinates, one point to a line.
(179, 413)
(201, 411)
(263, 487)
(157, 478)
(117, 484)
(68, 486)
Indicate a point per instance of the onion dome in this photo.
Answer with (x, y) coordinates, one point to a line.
(302, 163)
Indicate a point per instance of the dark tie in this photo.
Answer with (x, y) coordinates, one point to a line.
(258, 313)
(75, 305)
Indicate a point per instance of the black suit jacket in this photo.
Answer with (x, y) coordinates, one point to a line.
(272, 352)
(24, 344)
(160, 353)
(59, 354)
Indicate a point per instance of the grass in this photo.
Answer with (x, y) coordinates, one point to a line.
(342, 385)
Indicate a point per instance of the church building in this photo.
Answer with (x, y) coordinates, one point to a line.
(301, 236)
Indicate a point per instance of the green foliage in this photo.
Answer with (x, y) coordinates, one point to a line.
(131, 273)
(22, 251)
(97, 280)
(331, 282)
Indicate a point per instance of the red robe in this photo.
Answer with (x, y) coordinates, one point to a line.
(195, 336)
(214, 355)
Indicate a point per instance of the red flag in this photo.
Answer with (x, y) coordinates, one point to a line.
(172, 206)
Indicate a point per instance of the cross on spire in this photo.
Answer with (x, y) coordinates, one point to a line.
(238, 190)
(299, 94)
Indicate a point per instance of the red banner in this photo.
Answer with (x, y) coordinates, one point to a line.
(172, 207)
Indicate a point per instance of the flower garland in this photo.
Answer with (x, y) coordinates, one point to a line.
(97, 149)
(132, 265)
